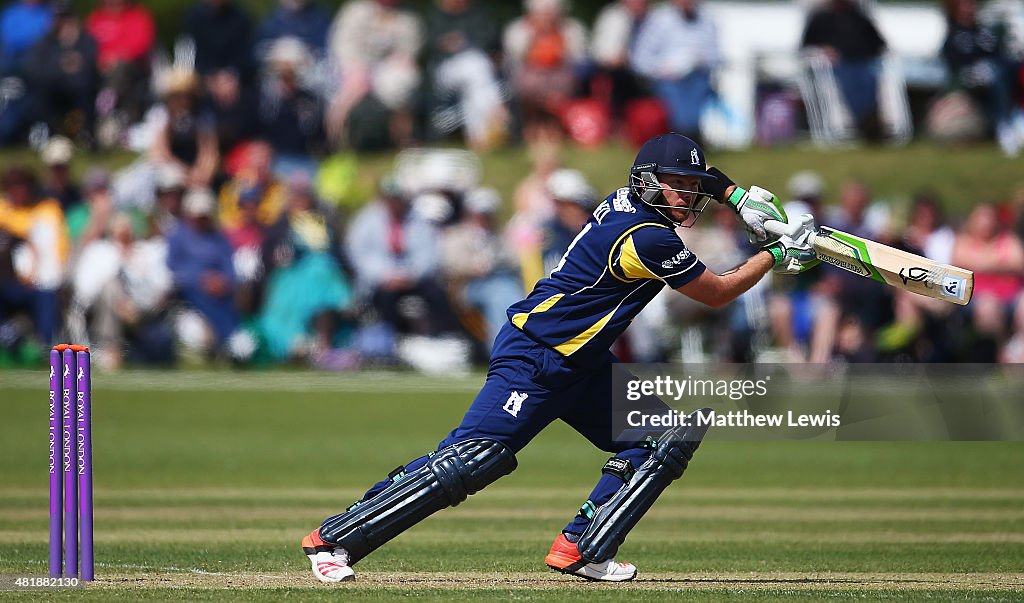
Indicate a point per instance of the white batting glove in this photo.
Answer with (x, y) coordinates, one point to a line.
(754, 208)
(793, 251)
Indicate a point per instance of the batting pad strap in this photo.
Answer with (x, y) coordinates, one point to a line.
(614, 519)
(620, 468)
(446, 480)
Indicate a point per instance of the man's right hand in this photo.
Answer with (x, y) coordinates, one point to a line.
(793, 252)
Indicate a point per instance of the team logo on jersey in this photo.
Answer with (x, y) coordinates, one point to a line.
(694, 157)
(677, 259)
(515, 402)
(621, 201)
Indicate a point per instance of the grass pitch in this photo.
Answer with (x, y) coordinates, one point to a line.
(205, 483)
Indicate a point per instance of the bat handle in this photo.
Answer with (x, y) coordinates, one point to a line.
(793, 228)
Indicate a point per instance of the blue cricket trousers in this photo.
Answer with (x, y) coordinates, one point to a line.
(530, 385)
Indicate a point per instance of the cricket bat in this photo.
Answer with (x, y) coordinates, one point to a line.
(884, 264)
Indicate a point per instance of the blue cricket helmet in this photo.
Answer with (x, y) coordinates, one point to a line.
(670, 153)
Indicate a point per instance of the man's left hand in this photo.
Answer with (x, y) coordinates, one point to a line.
(755, 207)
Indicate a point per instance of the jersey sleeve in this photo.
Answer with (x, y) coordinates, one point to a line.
(657, 252)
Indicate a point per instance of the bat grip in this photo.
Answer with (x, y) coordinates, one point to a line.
(791, 229)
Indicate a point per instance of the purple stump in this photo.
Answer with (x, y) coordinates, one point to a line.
(70, 481)
(56, 492)
(85, 462)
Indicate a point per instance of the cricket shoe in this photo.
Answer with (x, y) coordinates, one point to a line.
(330, 563)
(565, 557)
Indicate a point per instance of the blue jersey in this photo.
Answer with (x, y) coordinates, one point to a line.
(614, 267)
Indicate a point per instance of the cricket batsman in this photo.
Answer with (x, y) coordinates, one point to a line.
(551, 361)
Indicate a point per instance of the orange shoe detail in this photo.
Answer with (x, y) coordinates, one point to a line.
(313, 544)
(564, 556)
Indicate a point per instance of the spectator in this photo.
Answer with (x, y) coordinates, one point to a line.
(290, 118)
(233, 108)
(199, 258)
(852, 45)
(35, 250)
(395, 255)
(533, 207)
(976, 59)
(543, 50)
(123, 284)
(859, 297)
(732, 332)
(805, 191)
(614, 39)
(676, 50)
(61, 70)
(125, 34)
(803, 311)
(256, 184)
(481, 269)
(305, 20)
(56, 156)
(22, 24)
(574, 201)
(90, 220)
(170, 189)
(187, 137)
(222, 33)
(306, 289)
(374, 44)
(461, 36)
(927, 233)
(996, 256)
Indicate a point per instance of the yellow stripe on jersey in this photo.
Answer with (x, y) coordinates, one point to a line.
(520, 319)
(580, 340)
(632, 265)
(611, 254)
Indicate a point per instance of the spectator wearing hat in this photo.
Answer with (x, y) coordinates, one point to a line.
(481, 269)
(62, 76)
(33, 252)
(170, 189)
(199, 257)
(188, 136)
(56, 156)
(290, 117)
(125, 34)
(253, 186)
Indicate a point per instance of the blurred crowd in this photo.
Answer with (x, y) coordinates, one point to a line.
(238, 232)
(376, 74)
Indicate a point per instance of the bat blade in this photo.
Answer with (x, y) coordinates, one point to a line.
(894, 267)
